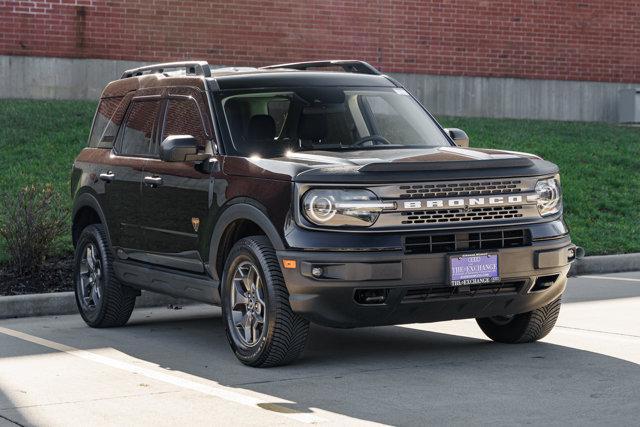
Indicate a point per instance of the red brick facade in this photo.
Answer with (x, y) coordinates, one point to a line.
(544, 39)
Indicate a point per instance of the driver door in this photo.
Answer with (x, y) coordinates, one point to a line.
(175, 195)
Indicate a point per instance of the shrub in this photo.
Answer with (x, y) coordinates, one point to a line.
(30, 224)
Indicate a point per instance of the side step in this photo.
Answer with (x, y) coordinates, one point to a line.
(163, 281)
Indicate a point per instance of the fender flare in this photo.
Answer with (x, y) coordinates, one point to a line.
(85, 200)
(245, 209)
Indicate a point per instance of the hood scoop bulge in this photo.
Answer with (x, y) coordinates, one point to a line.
(513, 162)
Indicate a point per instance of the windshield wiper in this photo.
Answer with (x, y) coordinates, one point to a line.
(371, 147)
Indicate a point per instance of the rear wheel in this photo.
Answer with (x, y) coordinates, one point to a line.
(102, 301)
(522, 328)
(261, 328)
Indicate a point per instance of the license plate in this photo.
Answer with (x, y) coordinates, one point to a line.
(473, 269)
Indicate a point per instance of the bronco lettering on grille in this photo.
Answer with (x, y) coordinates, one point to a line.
(462, 202)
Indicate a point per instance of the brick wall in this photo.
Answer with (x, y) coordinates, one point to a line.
(542, 39)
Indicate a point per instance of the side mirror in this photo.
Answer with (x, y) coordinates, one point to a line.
(181, 148)
(459, 136)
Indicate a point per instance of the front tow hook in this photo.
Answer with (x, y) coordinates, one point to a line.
(575, 253)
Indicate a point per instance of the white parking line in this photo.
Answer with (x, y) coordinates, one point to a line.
(622, 279)
(259, 401)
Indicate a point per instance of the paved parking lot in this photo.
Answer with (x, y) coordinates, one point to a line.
(174, 366)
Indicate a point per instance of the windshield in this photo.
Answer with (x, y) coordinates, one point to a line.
(271, 123)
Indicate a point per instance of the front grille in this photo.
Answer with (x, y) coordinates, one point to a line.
(443, 292)
(454, 242)
(457, 215)
(454, 189)
(460, 204)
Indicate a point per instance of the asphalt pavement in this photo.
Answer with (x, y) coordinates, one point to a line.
(169, 367)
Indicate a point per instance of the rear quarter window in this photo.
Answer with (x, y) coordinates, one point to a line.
(106, 122)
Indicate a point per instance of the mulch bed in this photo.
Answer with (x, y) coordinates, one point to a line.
(56, 275)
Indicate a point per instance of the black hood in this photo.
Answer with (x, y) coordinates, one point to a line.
(396, 165)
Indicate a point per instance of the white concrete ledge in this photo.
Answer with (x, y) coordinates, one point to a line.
(31, 77)
(516, 98)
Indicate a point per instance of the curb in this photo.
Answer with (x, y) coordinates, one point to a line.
(59, 303)
(601, 264)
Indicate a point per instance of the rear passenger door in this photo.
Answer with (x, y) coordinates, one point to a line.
(175, 202)
(124, 175)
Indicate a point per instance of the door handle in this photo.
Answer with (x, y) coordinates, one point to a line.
(107, 176)
(152, 181)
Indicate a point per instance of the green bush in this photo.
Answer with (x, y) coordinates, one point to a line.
(31, 222)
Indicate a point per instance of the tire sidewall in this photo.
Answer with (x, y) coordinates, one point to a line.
(246, 250)
(92, 234)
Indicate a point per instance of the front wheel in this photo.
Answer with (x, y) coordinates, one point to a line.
(261, 328)
(522, 328)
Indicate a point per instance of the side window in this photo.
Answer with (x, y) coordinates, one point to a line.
(137, 131)
(183, 118)
(254, 120)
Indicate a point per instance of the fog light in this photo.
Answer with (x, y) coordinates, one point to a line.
(317, 271)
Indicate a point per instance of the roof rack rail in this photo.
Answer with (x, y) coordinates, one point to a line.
(351, 66)
(197, 68)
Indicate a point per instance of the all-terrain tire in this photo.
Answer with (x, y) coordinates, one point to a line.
(116, 302)
(285, 332)
(522, 328)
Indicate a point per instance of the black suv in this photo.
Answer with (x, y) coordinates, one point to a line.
(308, 192)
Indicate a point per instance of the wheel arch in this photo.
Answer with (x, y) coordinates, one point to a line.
(241, 218)
(87, 211)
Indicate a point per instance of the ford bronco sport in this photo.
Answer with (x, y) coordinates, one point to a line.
(308, 192)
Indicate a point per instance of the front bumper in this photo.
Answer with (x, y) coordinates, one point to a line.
(415, 287)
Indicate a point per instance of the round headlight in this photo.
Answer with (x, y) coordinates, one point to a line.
(320, 209)
(343, 208)
(549, 196)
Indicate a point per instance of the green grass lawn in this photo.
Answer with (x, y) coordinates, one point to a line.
(599, 167)
(600, 163)
(38, 142)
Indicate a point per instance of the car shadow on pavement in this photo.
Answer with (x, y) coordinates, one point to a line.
(399, 375)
